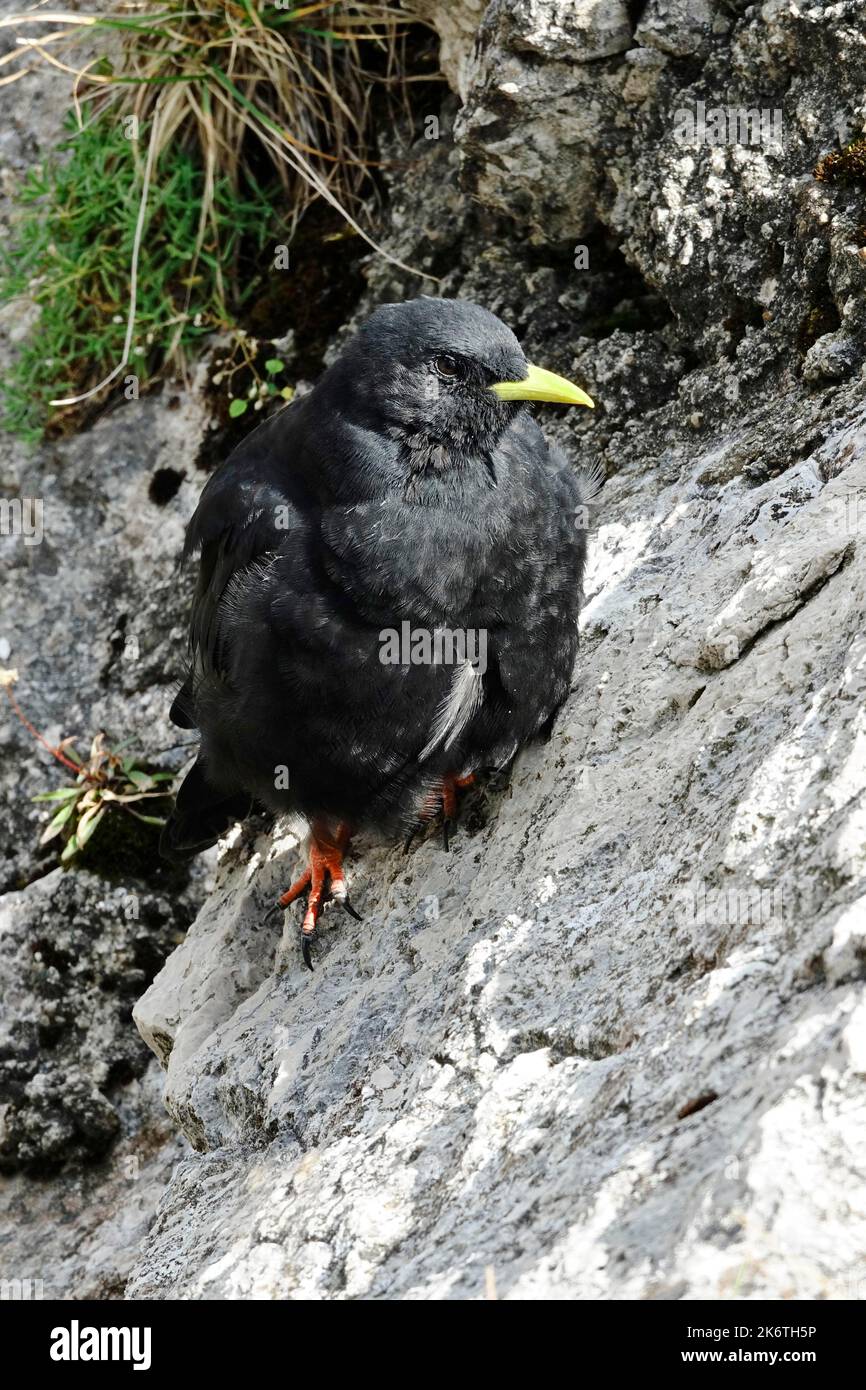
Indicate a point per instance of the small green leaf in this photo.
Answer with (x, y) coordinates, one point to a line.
(274, 365)
(237, 407)
(88, 823)
(55, 825)
(70, 849)
(60, 795)
(148, 820)
(287, 393)
(139, 779)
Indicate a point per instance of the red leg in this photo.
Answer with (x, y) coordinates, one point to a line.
(324, 879)
(446, 800)
(450, 787)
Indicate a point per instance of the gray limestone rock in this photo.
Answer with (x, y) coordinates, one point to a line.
(614, 1044)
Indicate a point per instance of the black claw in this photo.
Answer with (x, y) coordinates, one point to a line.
(409, 838)
(305, 949)
(273, 912)
(446, 842)
(347, 907)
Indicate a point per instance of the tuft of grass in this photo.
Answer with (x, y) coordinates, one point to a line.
(201, 129)
(71, 255)
(209, 75)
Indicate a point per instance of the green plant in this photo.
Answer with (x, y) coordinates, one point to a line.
(242, 357)
(200, 127)
(71, 255)
(108, 783)
(207, 72)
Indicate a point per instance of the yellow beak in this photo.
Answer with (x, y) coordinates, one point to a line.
(541, 385)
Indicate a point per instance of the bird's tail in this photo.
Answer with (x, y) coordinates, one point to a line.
(200, 816)
(182, 712)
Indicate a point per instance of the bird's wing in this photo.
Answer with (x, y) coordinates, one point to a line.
(244, 512)
(536, 647)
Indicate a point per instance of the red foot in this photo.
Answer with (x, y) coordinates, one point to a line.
(324, 879)
(446, 800)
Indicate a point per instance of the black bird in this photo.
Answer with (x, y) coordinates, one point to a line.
(388, 590)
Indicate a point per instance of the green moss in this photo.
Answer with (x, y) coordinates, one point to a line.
(844, 166)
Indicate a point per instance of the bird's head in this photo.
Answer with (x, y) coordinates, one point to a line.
(444, 376)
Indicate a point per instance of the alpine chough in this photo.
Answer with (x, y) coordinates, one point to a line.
(389, 582)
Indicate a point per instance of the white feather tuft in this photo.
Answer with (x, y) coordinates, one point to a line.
(456, 709)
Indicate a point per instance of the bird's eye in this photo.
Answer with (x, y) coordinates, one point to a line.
(447, 366)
